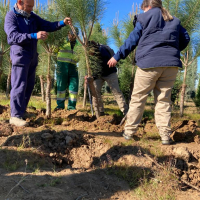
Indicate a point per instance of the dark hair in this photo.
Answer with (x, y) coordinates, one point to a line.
(157, 3)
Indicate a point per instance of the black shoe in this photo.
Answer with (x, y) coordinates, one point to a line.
(56, 109)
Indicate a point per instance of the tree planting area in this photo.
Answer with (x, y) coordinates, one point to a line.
(82, 155)
(75, 156)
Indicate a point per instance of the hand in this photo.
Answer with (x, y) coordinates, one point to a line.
(112, 62)
(68, 21)
(42, 35)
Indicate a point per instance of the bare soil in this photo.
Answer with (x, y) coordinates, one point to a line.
(74, 156)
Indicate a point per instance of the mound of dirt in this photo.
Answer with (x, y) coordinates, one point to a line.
(184, 131)
(75, 140)
(2, 109)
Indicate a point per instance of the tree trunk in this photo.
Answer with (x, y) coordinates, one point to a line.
(8, 85)
(1, 62)
(42, 87)
(91, 85)
(183, 93)
(93, 94)
(48, 89)
(85, 94)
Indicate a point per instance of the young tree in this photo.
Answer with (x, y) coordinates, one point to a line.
(4, 47)
(188, 11)
(119, 32)
(84, 14)
(100, 36)
(50, 46)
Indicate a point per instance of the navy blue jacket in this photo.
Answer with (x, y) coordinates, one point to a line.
(20, 35)
(158, 42)
(104, 57)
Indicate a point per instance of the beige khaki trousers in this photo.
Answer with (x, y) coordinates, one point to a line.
(112, 81)
(161, 81)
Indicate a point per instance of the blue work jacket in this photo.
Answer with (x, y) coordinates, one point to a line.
(21, 35)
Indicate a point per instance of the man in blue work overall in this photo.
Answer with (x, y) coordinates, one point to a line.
(24, 28)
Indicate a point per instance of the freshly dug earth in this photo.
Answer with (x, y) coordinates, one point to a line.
(74, 156)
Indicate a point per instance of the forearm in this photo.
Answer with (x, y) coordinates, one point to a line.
(130, 43)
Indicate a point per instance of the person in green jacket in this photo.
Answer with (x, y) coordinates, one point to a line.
(67, 73)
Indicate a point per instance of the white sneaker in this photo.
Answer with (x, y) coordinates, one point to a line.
(18, 121)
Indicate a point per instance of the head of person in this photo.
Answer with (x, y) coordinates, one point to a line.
(148, 4)
(71, 36)
(25, 5)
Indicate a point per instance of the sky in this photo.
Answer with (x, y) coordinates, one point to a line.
(120, 8)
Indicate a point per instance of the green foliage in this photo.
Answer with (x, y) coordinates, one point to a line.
(120, 31)
(37, 87)
(176, 88)
(197, 98)
(125, 80)
(98, 34)
(191, 77)
(81, 11)
(3, 83)
(3, 38)
(4, 47)
(54, 41)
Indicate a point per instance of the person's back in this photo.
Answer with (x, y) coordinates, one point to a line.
(159, 38)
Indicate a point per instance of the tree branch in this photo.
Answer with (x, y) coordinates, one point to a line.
(92, 21)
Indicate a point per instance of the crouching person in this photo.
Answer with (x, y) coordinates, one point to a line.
(103, 73)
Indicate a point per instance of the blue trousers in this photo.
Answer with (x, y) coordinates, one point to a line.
(22, 84)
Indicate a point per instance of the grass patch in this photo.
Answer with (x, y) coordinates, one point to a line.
(130, 174)
(161, 186)
(149, 114)
(108, 141)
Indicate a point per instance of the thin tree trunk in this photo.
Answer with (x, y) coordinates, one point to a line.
(8, 85)
(183, 93)
(1, 62)
(42, 87)
(85, 94)
(91, 85)
(186, 58)
(48, 89)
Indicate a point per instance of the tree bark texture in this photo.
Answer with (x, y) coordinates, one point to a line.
(48, 97)
(8, 85)
(1, 62)
(42, 87)
(85, 95)
(48, 89)
(182, 99)
(183, 93)
(94, 96)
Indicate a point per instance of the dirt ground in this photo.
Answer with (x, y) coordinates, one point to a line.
(73, 156)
